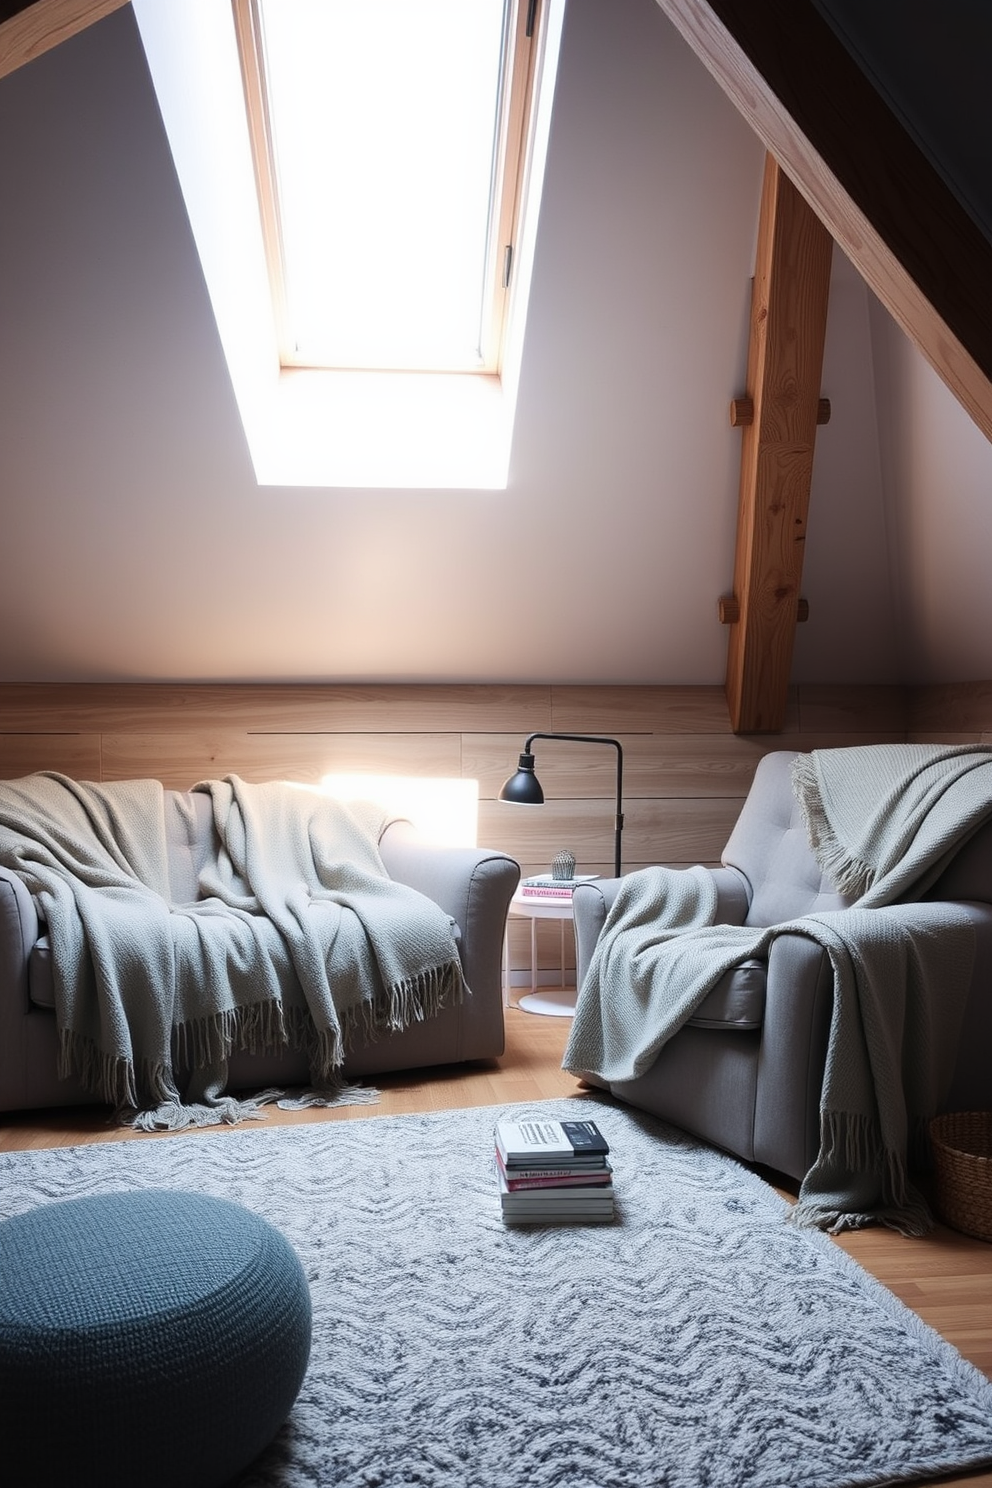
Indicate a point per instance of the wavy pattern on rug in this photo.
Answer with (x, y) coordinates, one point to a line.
(701, 1341)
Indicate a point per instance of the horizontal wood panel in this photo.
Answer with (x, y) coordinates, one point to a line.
(934, 736)
(653, 764)
(77, 755)
(144, 708)
(839, 739)
(670, 831)
(961, 707)
(703, 710)
(640, 710)
(181, 759)
(865, 710)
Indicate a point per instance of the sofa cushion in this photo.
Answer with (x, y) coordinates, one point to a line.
(189, 838)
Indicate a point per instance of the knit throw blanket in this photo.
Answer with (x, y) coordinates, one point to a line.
(883, 821)
(297, 936)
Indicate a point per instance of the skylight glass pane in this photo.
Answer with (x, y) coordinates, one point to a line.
(383, 117)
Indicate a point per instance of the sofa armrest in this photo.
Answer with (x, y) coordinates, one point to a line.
(19, 929)
(18, 1021)
(473, 885)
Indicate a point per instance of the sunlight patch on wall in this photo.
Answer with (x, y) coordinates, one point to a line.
(444, 811)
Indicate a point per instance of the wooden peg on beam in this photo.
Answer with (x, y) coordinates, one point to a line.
(742, 412)
(730, 611)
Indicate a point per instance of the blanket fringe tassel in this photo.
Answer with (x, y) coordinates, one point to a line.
(849, 875)
(148, 1099)
(851, 1143)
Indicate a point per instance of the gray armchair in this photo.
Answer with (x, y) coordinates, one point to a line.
(746, 1071)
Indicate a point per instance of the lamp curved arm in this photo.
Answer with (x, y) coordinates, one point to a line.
(525, 788)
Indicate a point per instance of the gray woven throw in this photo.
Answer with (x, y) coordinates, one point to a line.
(297, 935)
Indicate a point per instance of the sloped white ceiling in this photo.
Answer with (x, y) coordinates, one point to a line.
(138, 547)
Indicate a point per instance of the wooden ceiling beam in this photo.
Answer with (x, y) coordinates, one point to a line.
(26, 31)
(785, 358)
(884, 204)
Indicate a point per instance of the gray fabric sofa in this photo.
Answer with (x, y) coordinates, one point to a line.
(746, 1072)
(473, 886)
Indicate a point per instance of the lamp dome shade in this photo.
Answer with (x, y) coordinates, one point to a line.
(523, 788)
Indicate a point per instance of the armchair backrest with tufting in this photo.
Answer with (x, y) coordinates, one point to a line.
(769, 848)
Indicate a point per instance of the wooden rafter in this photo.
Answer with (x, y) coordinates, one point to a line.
(26, 31)
(865, 177)
(785, 357)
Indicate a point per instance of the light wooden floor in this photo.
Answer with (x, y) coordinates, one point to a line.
(945, 1277)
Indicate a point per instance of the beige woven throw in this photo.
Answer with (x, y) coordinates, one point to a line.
(883, 821)
(297, 936)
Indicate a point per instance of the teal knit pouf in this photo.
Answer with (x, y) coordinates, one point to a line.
(146, 1338)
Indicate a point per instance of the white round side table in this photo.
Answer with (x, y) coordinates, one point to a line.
(556, 1001)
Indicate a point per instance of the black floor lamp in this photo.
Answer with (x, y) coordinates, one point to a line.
(524, 788)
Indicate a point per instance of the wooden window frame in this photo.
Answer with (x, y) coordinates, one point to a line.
(515, 114)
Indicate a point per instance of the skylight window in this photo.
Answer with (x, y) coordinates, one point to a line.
(333, 387)
(387, 138)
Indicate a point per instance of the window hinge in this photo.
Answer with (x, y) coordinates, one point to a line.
(507, 264)
(531, 15)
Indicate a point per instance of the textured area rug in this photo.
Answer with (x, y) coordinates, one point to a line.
(700, 1341)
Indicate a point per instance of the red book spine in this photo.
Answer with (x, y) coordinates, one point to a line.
(573, 1180)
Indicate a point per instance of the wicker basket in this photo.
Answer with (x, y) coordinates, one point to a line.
(962, 1159)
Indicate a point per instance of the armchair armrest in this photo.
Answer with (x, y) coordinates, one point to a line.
(592, 902)
(798, 1008)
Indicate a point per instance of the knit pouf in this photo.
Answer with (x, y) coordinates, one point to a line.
(146, 1338)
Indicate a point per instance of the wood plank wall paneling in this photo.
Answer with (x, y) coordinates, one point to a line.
(179, 759)
(954, 711)
(276, 709)
(685, 773)
(77, 755)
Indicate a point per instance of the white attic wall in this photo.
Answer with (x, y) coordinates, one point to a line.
(937, 468)
(138, 547)
(845, 575)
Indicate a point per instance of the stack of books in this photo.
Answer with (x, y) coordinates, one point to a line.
(553, 1171)
(546, 886)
